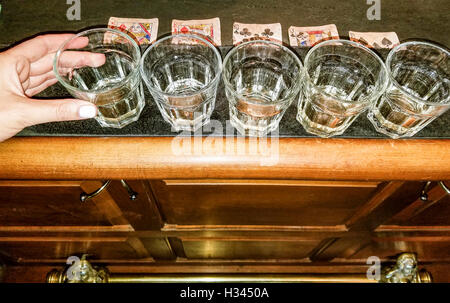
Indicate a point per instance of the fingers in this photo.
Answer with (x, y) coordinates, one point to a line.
(22, 66)
(38, 84)
(40, 46)
(43, 111)
(77, 59)
(38, 80)
(69, 59)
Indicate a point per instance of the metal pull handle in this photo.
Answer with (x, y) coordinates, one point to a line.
(131, 193)
(444, 187)
(85, 196)
(423, 193)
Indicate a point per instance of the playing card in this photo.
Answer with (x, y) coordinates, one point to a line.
(311, 35)
(144, 31)
(207, 28)
(247, 32)
(374, 39)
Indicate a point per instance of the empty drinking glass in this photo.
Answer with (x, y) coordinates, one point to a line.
(101, 66)
(261, 80)
(182, 73)
(341, 80)
(419, 89)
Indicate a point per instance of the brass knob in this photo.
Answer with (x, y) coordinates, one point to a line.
(423, 193)
(131, 193)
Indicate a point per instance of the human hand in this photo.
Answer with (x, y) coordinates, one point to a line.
(26, 70)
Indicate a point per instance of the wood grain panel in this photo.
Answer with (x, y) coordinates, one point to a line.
(427, 248)
(267, 203)
(248, 248)
(20, 248)
(159, 248)
(389, 201)
(434, 212)
(48, 205)
(249, 182)
(161, 158)
(142, 213)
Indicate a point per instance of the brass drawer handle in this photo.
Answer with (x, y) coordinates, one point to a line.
(85, 196)
(131, 193)
(424, 195)
(444, 187)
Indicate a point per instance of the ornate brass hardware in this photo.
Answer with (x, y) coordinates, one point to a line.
(405, 270)
(79, 272)
(131, 193)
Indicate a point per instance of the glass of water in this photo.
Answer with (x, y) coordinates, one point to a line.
(114, 86)
(261, 80)
(419, 89)
(342, 79)
(182, 73)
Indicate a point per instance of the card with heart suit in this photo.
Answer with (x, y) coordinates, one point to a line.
(243, 32)
(145, 31)
(206, 28)
(375, 39)
(311, 35)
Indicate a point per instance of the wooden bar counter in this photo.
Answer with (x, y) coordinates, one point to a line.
(144, 201)
(320, 206)
(160, 158)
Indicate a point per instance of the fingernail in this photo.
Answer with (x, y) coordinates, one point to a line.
(87, 111)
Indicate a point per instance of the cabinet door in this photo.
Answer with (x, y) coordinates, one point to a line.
(47, 220)
(260, 202)
(428, 248)
(248, 248)
(399, 221)
(421, 227)
(44, 249)
(48, 203)
(433, 212)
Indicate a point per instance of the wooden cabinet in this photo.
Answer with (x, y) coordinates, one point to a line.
(433, 212)
(248, 248)
(420, 226)
(60, 248)
(47, 203)
(45, 220)
(223, 220)
(260, 202)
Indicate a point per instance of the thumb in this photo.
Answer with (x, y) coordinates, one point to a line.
(42, 111)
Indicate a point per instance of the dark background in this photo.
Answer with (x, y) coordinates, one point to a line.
(428, 19)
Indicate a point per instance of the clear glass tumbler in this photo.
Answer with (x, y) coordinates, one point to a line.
(342, 79)
(261, 80)
(114, 86)
(182, 73)
(419, 89)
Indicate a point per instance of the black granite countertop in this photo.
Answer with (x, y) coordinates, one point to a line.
(151, 123)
